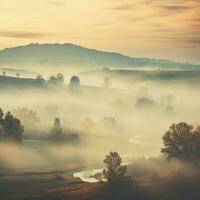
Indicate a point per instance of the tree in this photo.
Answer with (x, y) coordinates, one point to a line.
(166, 102)
(107, 82)
(11, 128)
(28, 117)
(39, 77)
(56, 80)
(56, 133)
(114, 171)
(60, 79)
(1, 116)
(145, 103)
(105, 69)
(1, 123)
(182, 141)
(40, 80)
(74, 82)
(52, 80)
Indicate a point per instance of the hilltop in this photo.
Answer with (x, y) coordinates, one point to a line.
(69, 55)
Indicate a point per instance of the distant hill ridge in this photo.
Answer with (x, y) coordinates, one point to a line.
(74, 55)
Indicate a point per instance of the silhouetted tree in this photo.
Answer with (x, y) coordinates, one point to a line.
(56, 134)
(11, 127)
(40, 80)
(74, 82)
(52, 80)
(39, 77)
(1, 123)
(114, 172)
(4, 73)
(181, 141)
(56, 80)
(1, 116)
(60, 78)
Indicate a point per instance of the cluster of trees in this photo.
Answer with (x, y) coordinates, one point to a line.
(181, 142)
(28, 117)
(57, 80)
(11, 128)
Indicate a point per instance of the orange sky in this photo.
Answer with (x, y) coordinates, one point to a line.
(145, 28)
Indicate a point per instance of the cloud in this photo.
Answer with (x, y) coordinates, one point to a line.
(173, 9)
(21, 34)
(123, 7)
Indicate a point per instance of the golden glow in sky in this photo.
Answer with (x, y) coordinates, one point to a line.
(147, 28)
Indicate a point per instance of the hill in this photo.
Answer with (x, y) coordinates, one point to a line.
(72, 55)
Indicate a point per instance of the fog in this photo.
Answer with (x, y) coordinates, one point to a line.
(105, 119)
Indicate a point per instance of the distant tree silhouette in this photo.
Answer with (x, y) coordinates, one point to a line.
(39, 77)
(17, 74)
(52, 80)
(56, 134)
(1, 123)
(144, 102)
(28, 117)
(11, 127)
(1, 116)
(114, 171)
(182, 141)
(107, 82)
(105, 69)
(40, 80)
(60, 78)
(166, 102)
(74, 83)
(4, 73)
(57, 80)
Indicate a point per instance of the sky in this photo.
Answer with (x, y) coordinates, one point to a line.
(167, 29)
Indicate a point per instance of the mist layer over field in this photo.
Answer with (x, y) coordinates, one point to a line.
(106, 118)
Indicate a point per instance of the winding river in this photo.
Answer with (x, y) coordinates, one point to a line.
(89, 176)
